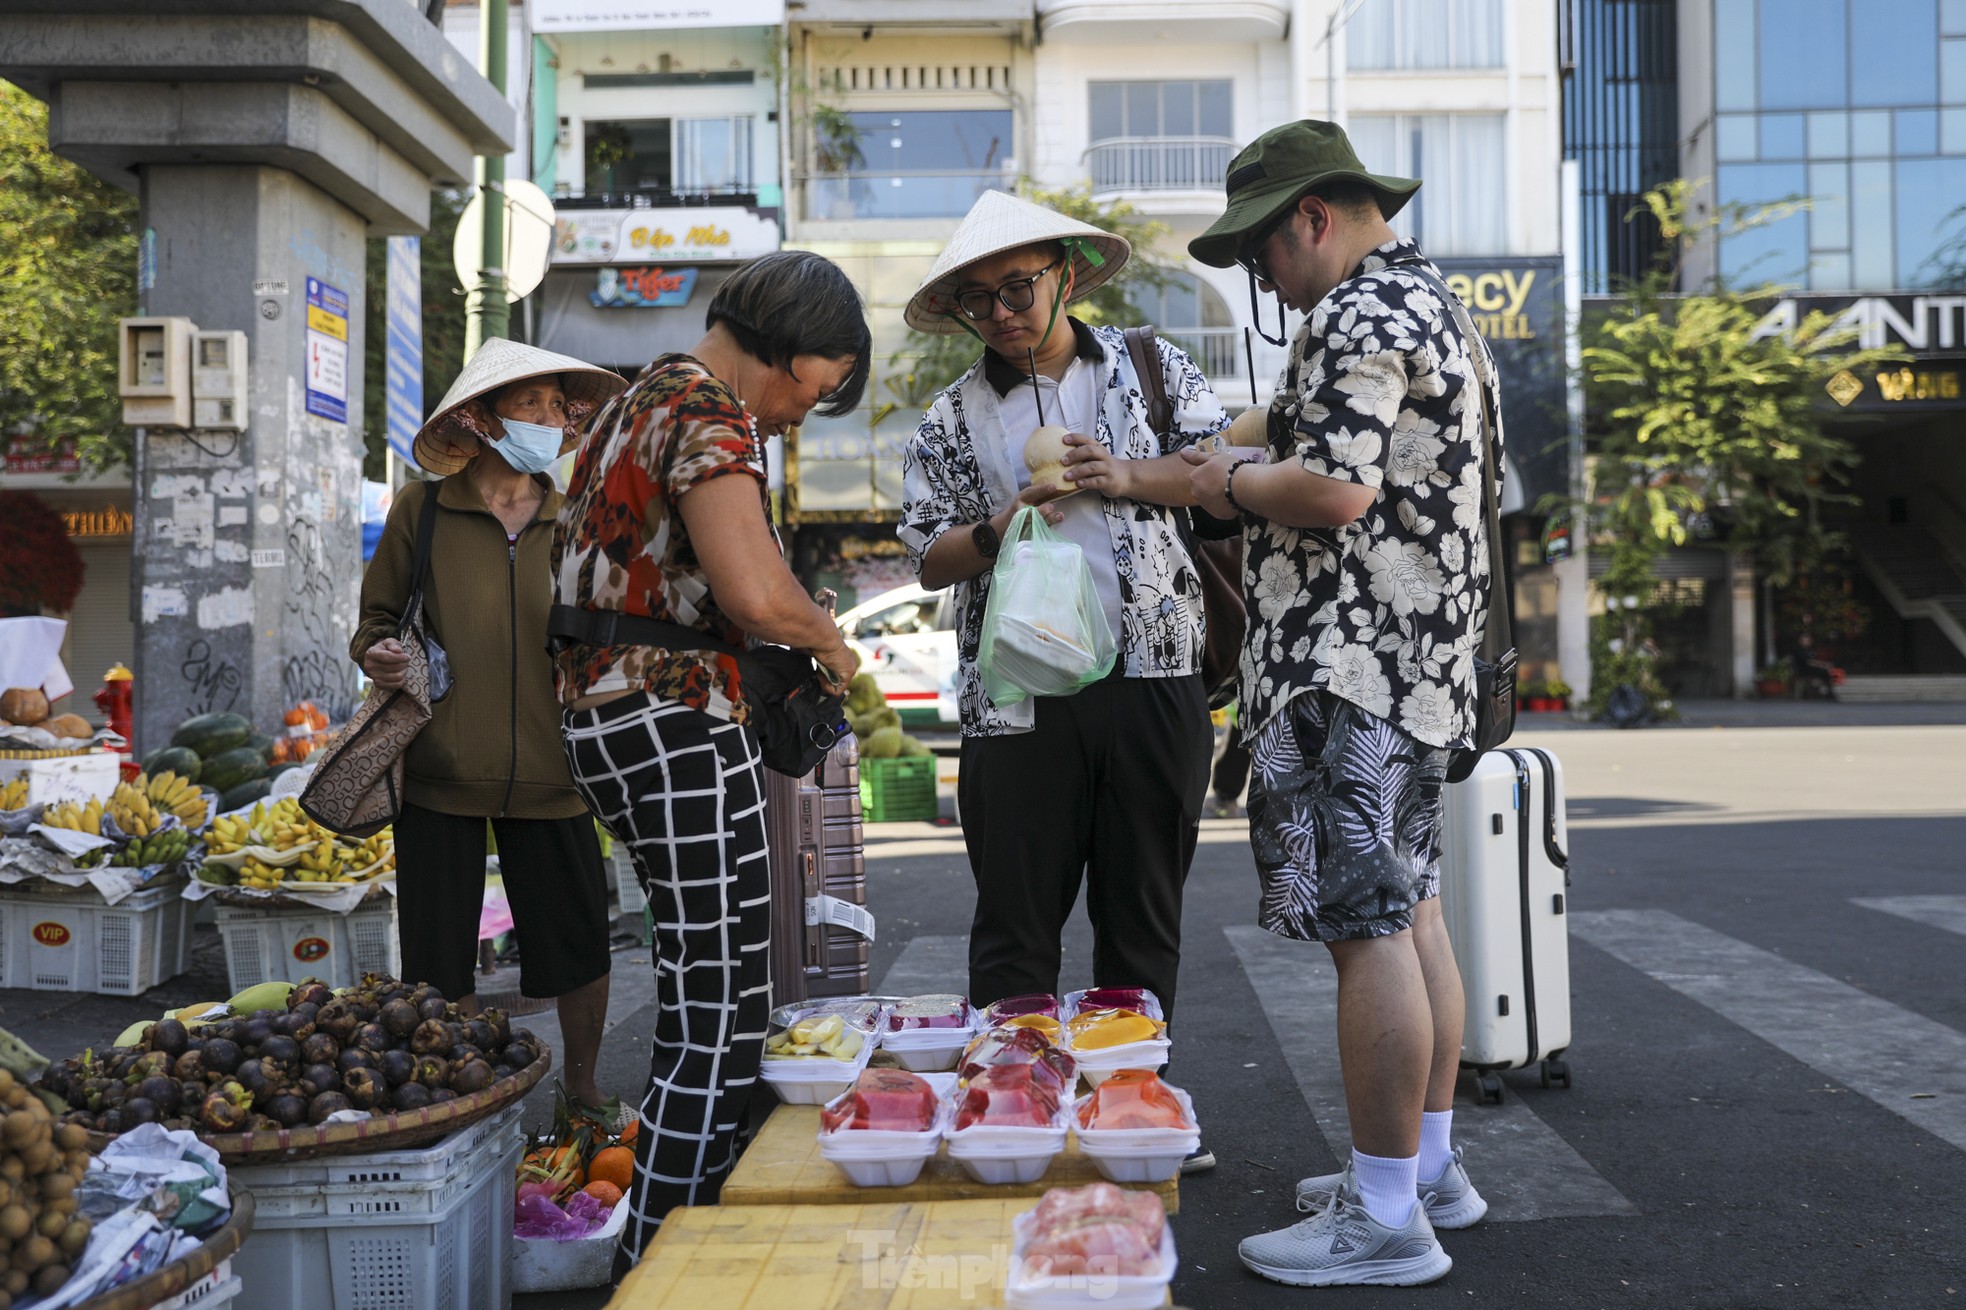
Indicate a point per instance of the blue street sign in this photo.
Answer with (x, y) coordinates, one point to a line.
(403, 370)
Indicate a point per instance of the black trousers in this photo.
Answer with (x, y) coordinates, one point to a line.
(554, 881)
(1106, 790)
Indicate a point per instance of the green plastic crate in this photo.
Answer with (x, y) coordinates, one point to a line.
(892, 791)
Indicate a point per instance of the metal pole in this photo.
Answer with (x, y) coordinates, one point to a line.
(486, 313)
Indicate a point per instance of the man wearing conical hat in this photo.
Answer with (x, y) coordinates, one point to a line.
(1105, 786)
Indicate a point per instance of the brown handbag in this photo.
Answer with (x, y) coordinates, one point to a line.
(357, 788)
(1218, 562)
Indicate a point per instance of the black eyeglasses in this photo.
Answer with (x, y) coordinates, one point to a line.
(1016, 295)
(1251, 259)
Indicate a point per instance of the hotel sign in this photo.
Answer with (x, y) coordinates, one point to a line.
(696, 235)
(1932, 329)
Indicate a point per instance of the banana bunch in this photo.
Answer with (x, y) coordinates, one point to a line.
(371, 857)
(230, 833)
(177, 794)
(265, 877)
(828, 1036)
(13, 794)
(76, 818)
(131, 807)
(322, 864)
(158, 848)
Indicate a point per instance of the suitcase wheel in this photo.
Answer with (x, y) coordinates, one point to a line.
(1488, 1088)
(1556, 1073)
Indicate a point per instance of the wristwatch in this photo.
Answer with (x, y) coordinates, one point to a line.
(988, 543)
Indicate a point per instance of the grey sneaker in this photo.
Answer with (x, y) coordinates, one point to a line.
(1342, 1245)
(1451, 1200)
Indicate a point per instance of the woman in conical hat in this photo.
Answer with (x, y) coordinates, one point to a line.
(491, 750)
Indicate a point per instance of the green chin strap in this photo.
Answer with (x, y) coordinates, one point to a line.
(1073, 245)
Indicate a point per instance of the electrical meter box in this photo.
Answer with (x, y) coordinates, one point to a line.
(218, 380)
(154, 371)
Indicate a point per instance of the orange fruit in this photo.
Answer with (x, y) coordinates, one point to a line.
(615, 1164)
(631, 1132)
(604, 1192)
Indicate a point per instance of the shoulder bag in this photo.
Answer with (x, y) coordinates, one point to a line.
(1495, 662)
(357, 788)
(796, 719)
(1217, 554)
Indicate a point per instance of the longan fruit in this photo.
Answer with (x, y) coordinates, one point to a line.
(6, 1301)
(55, 1186)
(15, 1281)
(12, 1169)
(50, 1279)
(36, 1157)
(50, 1224)
(34, 1253)
(61, 1204)
(15, 1222)
(17, 1128)
(74, 1237)
(6, 1081)
(70, 1136)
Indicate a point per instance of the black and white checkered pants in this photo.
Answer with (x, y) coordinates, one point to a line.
(682, 791)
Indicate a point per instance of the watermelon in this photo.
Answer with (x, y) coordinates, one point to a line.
(262, 743)
(281, 768)
(238, 798)
(228, 769)
(174, 759)
(212, 734)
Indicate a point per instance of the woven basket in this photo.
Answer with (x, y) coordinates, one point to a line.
(397, 1132)
(164, 1283)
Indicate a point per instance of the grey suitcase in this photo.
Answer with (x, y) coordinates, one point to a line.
(820, 927)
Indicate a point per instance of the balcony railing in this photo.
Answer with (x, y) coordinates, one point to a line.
(1159, 163)
(1217, 350)
(659, 198)
(863, 196)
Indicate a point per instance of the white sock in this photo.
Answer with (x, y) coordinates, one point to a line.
(1387, 1187)
(1436, 1143)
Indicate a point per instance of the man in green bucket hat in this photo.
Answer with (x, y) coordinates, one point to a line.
(1366, 556)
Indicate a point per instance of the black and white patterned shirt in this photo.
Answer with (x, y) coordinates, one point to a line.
(957, 472)
(1387, 611)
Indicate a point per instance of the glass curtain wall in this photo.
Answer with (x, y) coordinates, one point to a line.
(1860, 107)
(1621, 125)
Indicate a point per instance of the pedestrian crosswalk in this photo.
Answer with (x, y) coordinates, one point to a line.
(1904, 1062)
(1910, 1065)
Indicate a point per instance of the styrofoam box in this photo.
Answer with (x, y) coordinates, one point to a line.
(884, 1158)
(292, 943)
(927, 1050)
(992, 1154)
(429, 1229)
(64, 940)
(1139, 1155)
(79, 778)
(540, 1264)
(1107, 1292)
(814, 1081)
(217, 1288)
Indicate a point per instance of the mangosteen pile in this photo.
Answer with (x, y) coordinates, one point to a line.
(381, 1046)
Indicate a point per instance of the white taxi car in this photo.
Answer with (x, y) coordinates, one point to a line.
(906, 638)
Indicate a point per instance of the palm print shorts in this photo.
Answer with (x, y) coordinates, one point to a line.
(1345, 821)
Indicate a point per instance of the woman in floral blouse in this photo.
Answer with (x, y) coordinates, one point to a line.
(668, 518)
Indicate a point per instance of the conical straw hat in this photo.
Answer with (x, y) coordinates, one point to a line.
(998, 222)
(446, 443)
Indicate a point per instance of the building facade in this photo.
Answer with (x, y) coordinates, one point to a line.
(1856, 109)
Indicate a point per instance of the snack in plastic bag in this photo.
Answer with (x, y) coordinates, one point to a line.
(883, 1100)
(1119, 998)
(1018, 1046)
(1097, 1229)
(1009, 1096)
(1037, 1010)
(823, 1031)
(928, 1012)
(1133, 1098)
(1094, 1030)
(1044, 629)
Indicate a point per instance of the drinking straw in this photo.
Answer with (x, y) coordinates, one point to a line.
(1036, 390)
(1249, 353)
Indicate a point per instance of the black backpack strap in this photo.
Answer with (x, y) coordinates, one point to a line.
(572, 625)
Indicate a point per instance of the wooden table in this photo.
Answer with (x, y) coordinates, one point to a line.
(783, 1167)
(933, 1255)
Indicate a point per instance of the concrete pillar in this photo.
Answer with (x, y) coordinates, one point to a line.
(247, 570)
(1741, 604)
(1573, 620)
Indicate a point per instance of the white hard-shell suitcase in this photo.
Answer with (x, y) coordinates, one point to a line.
(1503, 892)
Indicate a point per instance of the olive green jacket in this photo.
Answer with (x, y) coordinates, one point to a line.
(492, 746)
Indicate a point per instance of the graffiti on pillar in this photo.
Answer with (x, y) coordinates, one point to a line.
(322, 671)
(214, 682)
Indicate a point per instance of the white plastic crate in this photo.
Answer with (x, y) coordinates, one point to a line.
(215, 1289)
(627, 884)
(429, 1229)
(289, 944)
(64, 940)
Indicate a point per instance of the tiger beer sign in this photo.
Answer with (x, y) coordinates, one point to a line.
(50, 933)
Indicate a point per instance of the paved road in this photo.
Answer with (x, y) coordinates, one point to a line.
(1769, 988)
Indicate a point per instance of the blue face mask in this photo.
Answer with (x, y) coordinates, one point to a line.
(529, 447)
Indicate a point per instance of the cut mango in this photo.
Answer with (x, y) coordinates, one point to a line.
(1097, 1029)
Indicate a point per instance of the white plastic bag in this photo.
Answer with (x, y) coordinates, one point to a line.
(1044, 629)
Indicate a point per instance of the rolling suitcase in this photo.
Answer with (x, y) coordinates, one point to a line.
(1503, 893)
(820, 927)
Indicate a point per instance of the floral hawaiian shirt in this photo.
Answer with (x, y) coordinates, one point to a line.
(957, 473)
(1385, 612)
(621, 545)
